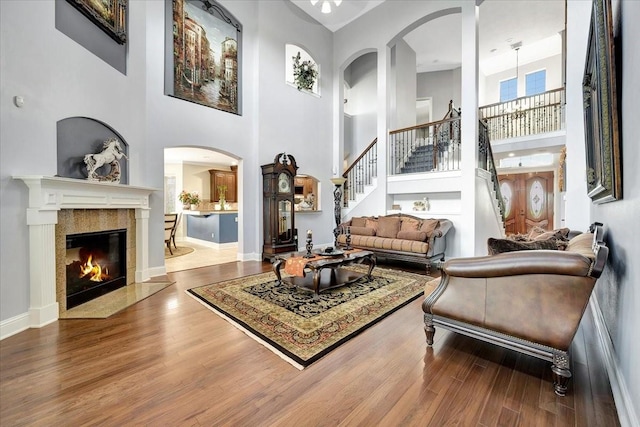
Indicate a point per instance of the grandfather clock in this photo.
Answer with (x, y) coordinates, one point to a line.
(278, 206)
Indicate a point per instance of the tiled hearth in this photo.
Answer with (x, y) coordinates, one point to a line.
(61, 206)
(76, 221)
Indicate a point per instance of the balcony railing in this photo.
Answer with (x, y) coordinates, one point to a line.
(487, 162)
(430, 147)
(529, 115)
(361, 172)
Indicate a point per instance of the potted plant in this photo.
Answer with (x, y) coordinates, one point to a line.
(304, 73)
(189, 200)
(222, 191)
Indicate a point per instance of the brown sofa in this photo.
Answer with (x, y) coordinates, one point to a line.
(398, 237)
(530, 301)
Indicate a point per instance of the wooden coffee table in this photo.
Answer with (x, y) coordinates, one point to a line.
(326, 272)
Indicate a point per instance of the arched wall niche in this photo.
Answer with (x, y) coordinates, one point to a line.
(291, 51)
(78, 136)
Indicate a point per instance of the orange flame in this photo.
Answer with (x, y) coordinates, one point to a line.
(94, 272)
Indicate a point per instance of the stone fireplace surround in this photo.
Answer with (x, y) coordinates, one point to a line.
(49, 200)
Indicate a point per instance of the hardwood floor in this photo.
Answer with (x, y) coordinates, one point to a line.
(168, 360)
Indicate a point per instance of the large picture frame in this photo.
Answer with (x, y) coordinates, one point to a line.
(602, 136)
(109, 15)
(203, 51)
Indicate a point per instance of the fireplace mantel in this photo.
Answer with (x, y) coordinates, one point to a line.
(48, 195)
(54, 193)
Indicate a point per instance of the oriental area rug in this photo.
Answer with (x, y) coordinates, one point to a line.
(301, 329)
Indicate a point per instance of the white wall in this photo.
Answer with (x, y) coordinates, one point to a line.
(617, 289)
(57, 78)
(36, 64)
(197, 178)
(404, 96)
(442, 87)
(361, 75)
(491, 83)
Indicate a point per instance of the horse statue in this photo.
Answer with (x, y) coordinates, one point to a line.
(110, 154)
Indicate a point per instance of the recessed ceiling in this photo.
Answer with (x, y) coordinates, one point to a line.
(349, 10)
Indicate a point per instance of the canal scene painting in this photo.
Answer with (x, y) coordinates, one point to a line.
(205, 55)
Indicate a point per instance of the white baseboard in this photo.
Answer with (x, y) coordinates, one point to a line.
(14, 325)
(157, 271)
(624, 404)
(251, 256)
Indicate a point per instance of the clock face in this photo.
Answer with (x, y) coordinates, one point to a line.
(284, 183)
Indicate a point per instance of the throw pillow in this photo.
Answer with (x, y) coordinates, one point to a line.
(429, 226)
(582, 244)
(560, 233)
(409, 224)
(498, 246)
(535, 232)
(519, 237)
(388, 226)
(358, 221)
(362, 231)
(419, 236)
(371, 223)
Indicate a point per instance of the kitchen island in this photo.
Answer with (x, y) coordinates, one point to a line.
(212, 226)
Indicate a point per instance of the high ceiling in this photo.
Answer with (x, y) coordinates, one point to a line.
(535, 23)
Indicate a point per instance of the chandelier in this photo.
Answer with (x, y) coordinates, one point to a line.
(326, 5)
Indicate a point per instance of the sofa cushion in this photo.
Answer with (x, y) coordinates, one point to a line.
(371, 223)
(409, 224)
(498, 246)
(383, 243)
(388, 226)
(429, 226)
(419, 236)
(362, 231)
(358, 221)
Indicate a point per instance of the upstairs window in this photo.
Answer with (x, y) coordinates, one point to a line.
(536, 82)
(508, 89)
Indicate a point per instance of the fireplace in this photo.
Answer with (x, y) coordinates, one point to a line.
(95, 265)
(60, 207)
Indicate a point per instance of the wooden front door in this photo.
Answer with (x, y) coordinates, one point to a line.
(528, 199)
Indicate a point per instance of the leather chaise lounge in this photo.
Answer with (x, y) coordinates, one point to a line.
(530, 301)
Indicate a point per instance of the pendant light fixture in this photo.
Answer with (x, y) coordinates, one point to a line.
(518, 109)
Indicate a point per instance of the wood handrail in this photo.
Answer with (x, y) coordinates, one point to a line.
(521, 98)
(556, 104)
(364, 152)
(447, 118)
(438, 123)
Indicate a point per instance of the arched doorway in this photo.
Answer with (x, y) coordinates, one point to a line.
(207, 233)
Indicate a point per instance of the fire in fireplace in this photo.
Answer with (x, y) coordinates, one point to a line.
(96, 265)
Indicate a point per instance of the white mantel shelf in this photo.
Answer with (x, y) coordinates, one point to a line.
(47, 196)
(55, 193)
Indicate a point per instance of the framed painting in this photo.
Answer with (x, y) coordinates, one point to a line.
(109, 15)
(602, 136)
(203, 47)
